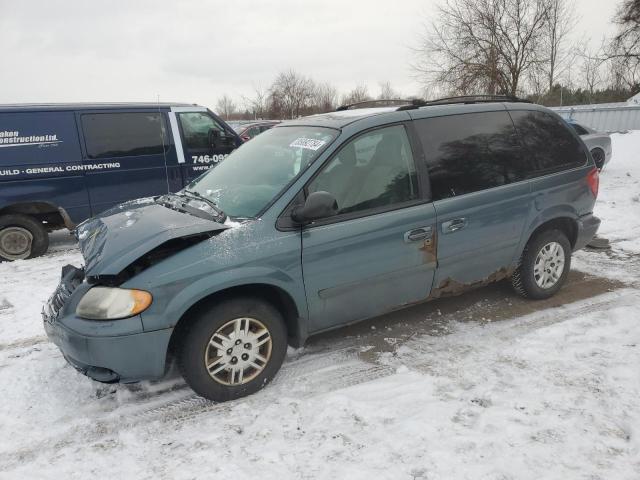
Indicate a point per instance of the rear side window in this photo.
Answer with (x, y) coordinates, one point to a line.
(471, 152)
(548, 141)
(109, 135)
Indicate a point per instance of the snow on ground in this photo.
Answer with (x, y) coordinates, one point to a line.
(619, 199)
(552, 394)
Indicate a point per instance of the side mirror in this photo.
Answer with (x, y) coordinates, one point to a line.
(318, 205)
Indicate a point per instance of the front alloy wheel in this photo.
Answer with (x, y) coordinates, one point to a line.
(231, 348)
(238, 352)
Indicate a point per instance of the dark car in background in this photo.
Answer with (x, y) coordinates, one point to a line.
(249, 130)
(61, 164)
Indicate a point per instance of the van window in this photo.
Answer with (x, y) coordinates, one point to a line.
(374, 170)
(109, 135)
(548, 141)
(196, 129)
(471, 152)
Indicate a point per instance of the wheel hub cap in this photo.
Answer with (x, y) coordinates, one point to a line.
(238, 351)
(15, 243)
(549, 265)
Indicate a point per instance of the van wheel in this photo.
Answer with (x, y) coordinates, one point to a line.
(21, 237)
(233, 349)
(544, 265)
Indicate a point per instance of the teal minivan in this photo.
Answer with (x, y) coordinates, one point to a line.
(318, 223)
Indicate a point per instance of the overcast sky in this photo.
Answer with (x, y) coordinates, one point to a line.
(194, 51)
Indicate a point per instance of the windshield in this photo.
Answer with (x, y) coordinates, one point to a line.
(254, 174)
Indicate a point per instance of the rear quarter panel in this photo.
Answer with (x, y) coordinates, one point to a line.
(565, 194)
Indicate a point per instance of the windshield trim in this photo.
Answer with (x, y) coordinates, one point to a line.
(301, 172)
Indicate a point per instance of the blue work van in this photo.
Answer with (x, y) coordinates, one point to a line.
(61, 164)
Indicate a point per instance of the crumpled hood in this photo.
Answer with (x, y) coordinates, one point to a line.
(113, 240)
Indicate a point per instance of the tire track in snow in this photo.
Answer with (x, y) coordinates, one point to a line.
(306, 376)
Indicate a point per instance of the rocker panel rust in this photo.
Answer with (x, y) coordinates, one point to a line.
(449, 287)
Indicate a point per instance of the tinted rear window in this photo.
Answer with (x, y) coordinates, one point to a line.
(471, 152)
(109, 135)
(548, 141)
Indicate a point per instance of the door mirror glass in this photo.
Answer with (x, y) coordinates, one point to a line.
(318, 205)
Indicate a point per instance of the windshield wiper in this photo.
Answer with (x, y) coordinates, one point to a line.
(199, 196)
(217, 213)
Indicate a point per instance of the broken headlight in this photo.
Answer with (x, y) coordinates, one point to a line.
(106, 303)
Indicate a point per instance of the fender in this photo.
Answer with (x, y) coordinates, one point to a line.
(183, 300)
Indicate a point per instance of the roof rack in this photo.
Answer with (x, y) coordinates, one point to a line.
(414, 103)
(391, 102)
(476, 99)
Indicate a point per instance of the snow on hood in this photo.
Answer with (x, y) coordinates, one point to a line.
(113, 240)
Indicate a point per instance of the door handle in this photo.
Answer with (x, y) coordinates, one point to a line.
(421, 233)
(454, 225)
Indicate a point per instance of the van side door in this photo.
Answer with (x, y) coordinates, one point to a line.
(40, 162)
(127, 154)
(482, 196)
(377, 253)
(204, 138)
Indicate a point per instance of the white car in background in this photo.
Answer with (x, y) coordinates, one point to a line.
(599, 144)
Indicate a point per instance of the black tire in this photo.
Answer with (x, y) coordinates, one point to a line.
(38, 244)
(523, 279)
(598, 157)
(194, 340)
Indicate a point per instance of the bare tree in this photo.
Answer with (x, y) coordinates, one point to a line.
(478, 46)
(325, 97)
(387, 92)
(292, 93)
(225, 107)
(591, 69)
(560, 23)
(624, 49)
(257, 104)
(357, 95)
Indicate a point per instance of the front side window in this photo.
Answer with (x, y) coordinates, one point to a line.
(109, 135)
(255, 174)
(471, 152)
(548, 141)
(375, 170)
(196, 130)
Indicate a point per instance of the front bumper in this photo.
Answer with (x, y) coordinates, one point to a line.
(107, 351)
(587, 228)
(123, 358)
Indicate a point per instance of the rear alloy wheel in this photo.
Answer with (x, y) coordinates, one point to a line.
(598, 157)
(544, 265)
(232, 349)
(549, 265)
(21, 237)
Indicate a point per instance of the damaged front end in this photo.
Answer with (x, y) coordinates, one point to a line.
(132, 237)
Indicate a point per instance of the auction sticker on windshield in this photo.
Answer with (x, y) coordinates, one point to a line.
(308, 143)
